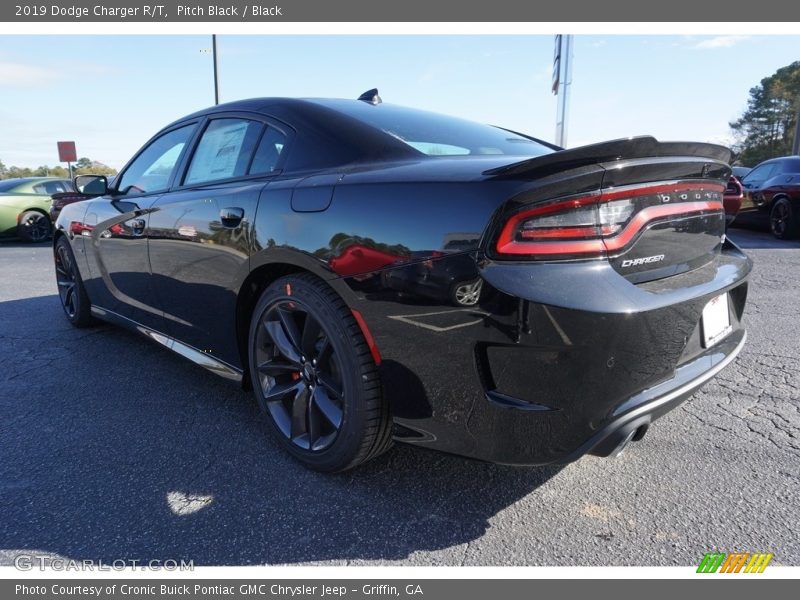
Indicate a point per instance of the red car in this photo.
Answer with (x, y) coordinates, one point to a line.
(359, 259)
(61, 199)
(732, 199)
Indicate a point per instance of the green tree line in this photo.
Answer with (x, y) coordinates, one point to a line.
(766, 128)
(84, 166)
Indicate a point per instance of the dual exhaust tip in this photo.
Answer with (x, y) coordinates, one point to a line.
(615, 443)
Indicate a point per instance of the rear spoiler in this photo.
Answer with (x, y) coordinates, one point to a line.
(628, 148)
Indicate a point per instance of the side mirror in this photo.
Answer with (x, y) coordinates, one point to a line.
(91, 185)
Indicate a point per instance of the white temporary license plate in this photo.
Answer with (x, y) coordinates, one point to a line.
(716, 321)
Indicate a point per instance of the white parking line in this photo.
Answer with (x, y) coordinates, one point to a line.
(410, 319)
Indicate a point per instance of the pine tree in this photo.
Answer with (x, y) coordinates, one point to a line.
(766, 128)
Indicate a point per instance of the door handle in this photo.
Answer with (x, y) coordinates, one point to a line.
(231, 216)
(138, 225)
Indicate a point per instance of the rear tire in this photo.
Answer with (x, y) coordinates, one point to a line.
(34, 227)
(71, 291)
(782, 221)
(314, 376)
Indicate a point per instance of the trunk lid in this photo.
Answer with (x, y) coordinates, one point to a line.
(656, 212)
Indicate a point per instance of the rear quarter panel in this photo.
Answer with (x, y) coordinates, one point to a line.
(74, 213)
(13, 206)
(372, 219)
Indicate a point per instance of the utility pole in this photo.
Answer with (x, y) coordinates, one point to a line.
(216, 67)
(796, 144)
(562, 80)
(213, 52)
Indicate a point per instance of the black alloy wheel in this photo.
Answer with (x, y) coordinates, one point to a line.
(315, 377)
(34, 227)
(300, 376)
(71, 292)
(781, 220)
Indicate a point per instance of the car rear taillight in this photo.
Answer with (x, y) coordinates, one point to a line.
(603, 222)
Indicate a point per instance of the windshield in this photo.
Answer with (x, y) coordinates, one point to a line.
(439, 135)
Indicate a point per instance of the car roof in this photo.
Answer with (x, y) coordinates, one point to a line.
(257, 105)
(327, 130)
(327, 133)
(26, 183)
(779, 159)
(30, 179)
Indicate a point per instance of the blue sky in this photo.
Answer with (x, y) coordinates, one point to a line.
(111, 93)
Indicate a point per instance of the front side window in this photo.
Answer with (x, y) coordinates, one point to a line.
(759, 175)
(153, 168)
(224, 150)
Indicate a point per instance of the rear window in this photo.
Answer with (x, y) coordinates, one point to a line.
(439, 135)
(10, 184)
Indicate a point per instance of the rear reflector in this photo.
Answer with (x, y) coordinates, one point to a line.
(600, 223)
(373, 347)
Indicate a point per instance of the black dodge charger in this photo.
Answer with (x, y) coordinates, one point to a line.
(265, 240)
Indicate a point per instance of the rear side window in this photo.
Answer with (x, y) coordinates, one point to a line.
(790, 165)
(269, 152)
(224, 150)
(152, 169)
(52, 187)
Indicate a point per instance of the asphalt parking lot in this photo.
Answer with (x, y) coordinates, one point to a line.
(113, 448)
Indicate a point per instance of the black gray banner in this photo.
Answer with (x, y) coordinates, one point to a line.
(407, 11)
(405, 589)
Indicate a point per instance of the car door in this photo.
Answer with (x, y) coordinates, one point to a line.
(786, 180)
(201, 233)
(117, 253)
(754, 182)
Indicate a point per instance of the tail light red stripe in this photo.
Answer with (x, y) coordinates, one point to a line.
(652, 213)
(508, 244)
(545, 248)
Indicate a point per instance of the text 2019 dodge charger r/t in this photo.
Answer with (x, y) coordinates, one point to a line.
(265, 239)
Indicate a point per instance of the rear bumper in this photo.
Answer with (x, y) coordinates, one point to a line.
(656, 402)
(556, 360)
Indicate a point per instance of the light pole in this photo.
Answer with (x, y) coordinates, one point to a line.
(216, 67)
(562, 80)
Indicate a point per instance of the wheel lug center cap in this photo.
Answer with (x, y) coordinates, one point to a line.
(309, 373)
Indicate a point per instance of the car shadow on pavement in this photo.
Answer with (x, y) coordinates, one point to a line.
(114, 448)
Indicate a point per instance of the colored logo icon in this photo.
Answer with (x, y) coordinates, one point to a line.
(738, 562)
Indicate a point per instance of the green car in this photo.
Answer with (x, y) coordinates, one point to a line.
(25, 206)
